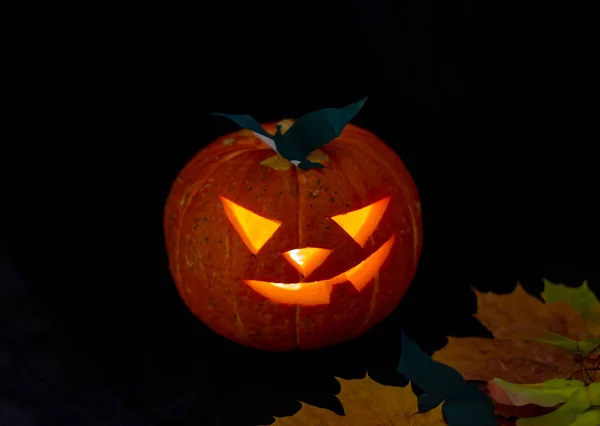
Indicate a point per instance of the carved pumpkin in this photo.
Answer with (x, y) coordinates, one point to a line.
(278, 258)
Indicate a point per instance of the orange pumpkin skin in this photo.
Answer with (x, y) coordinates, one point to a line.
(209, 260)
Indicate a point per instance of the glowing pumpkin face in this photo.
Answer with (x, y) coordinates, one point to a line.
(255, 231)
(280, 258)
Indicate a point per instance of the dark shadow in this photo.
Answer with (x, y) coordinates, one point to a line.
(145, 347)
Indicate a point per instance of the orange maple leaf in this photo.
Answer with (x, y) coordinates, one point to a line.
(512, 319)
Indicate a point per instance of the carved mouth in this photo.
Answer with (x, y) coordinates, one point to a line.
(319, 292)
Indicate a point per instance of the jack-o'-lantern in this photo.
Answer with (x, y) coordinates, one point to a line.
(283, 252)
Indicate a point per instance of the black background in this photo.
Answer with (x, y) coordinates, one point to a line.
(491, 120)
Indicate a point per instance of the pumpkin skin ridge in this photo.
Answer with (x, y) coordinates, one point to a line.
(365, 251)
(298, 322)
(239, 322)
(192, 176)
(392, 172)
(340, 236)
(376, 145)
(375, 278)
(261, 317)
(197, 187)
(415, 216)
(190, 196)
(192, 170)
(374, 248)
(244, 336)
(405, 183)
(340, 168)
(366, 325)
(268, 152)
(296, 179)
(359, 151)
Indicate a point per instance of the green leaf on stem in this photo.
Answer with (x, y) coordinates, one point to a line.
(545, 394)
(579, 347)
(581, 298)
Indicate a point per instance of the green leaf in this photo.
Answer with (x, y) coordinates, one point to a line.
(580, 347)
(581, 298)
(565, 415)
(590, 417)
(546, 394)
(594, 393)
(464, 404)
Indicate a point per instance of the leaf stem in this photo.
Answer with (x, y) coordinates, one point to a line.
(593, 350)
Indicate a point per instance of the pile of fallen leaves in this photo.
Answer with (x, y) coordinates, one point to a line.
(447, 398)
(542, 364)
(539, 369)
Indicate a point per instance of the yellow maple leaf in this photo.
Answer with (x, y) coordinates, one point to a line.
(368, 403)
(510, 355)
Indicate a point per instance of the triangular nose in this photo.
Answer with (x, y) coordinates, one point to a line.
(307, 259)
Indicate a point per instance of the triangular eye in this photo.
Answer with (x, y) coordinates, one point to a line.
(254, 230)
(361, 223)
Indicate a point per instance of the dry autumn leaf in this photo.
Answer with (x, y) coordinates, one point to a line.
(512, 319)
(533, 341)
(368, 403)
